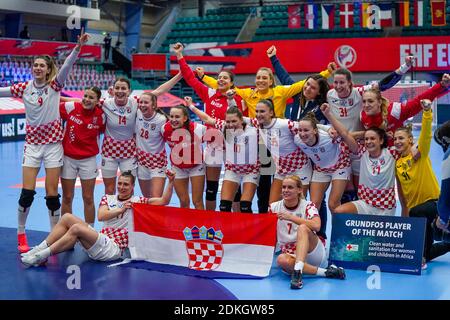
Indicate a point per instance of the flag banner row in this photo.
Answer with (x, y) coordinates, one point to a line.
(370, 15)
(202, 243)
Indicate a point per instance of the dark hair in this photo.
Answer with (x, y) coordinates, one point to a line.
(323, 89)
(230, 74)
(269, 104)
(236, 111)
(128, 174)
(121, 79)
(185, 113)
(382, 134)
(311, 117)
(442, 135)
(96, 90)
(342, 71)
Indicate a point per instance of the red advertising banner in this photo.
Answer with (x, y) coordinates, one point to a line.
(356, 54)
(149, 62)
(19, 47)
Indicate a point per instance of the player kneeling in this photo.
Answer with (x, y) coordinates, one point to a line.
(112, 240)
(302, 250)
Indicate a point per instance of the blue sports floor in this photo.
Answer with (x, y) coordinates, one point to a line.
(97, 281)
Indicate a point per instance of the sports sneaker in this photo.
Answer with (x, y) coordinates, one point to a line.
(335, 272)
(22, 243)
(34, 260)
(296, 280)
(31, 252)
(424, 264)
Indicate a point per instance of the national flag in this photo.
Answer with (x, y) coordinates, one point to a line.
(203, 243)
(418, 13)
(438, 13)
(352, 247)
(346, 15)
(310, 16)
(403, 14)
(294, 16)
(365, 15)
(328, 16)
(385, 14)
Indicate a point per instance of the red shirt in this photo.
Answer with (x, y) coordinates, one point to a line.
(83, 128)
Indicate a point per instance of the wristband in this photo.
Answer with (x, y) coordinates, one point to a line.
(404, 68)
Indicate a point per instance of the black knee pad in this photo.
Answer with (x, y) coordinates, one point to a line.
(237, 197)
(349, 196)
(246, 206)
(53, 202)
(26, 198)
(225, 205)
(211, 190)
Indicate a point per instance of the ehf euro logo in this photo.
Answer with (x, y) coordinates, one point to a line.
(345, 56)
(204, 248)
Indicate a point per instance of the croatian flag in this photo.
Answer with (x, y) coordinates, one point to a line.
(202, 243)
(328, 16)
(310, 16)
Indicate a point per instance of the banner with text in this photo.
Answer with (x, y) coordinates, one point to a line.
(356, 54)
(394, 244)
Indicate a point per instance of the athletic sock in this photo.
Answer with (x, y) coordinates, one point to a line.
(299, 266)
(45, 253)
(321, 272)
(54, 217)
(43, 245)
(22, 214)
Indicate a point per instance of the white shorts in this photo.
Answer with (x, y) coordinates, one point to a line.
(364, 208)
(213, 157)
(305, 174)
(84, 168)
(104, 249)
(317, 257)
(110, 166)
(355, 164)
(198, 170)
(144, 173)
(245, 178)
(51, 154)
(340, 174)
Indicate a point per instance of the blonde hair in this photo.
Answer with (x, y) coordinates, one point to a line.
(270, 72)
(299, 184)
(408, 129)
(51, 65)
(384, 106)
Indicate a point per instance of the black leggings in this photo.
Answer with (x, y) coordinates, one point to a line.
(429, 211)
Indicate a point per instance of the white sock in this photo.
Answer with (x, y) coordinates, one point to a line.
(299, 266)
(43, 245)
(321, 272)
(45, 253)
(22, 215)
(54, 217)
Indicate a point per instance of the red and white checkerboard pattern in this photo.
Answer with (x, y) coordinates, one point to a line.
(378, 198)
(117, 149)
(291, 162)
(204, 255)
(18, 89)
(343, 160)
(289, 248)
(119, 235)
(243, 168)
(56, 86)
(45, 134)
(150, 160)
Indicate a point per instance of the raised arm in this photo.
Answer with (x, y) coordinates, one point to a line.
(284, 77)
(426, 132)
(340, 128)
(167, 195)
(168, 85)
(72, 58)
(391, 80)
(202, 115)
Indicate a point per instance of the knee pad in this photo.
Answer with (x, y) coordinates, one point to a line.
(53, 202)
(246, 206)
(349, 196)
(211, 190)
(26, 198)
(225, 205)
(237, 197)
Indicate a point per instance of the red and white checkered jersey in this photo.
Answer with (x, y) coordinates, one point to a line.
(241, 148)
(41, 111)
(120, 120)
(117, 228)
(118, 149)
(377, 179)
(287, 230)
(348, 109)
(148, 133)
(83, 128)
(328, 155)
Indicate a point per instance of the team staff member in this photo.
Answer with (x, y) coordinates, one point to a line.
(216, 105)
(44, 134)
(106, 245)
(85, 122)
(419, 185)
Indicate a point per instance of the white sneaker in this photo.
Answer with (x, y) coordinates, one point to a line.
(424, 264)
(31, 252)
(34, 260)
